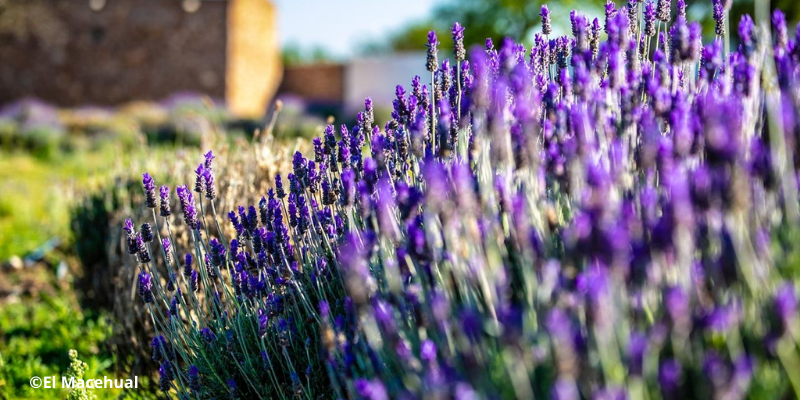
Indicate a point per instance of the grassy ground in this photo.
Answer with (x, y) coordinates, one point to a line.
(40, 318)
(37, 332)
(35, 195)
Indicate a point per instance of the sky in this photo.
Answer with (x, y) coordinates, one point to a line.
(340, 26)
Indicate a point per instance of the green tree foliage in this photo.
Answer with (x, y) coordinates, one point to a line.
(294, 54)
(497, 19)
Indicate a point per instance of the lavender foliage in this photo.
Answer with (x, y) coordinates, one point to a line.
(610, 219)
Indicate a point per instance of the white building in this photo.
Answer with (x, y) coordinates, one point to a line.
(377, 76)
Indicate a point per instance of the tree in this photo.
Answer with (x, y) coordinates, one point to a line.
(497, 19)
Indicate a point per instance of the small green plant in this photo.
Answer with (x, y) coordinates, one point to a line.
(77, 369)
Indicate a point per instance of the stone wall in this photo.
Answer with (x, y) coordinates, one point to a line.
(106, 52)
(254, 63)
(316, 84)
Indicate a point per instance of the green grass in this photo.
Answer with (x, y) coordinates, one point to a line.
(35, 338)
(35, 195)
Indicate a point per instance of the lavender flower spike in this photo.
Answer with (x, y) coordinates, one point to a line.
(166, 376)
(547, 27)
(186, 200)
(165, 210)
(663, 12)
(459, 52)
(193, 283)
(146, 232)
(128, 226)
(144, 253)
(132, 237)
(167, 246)
(209, 158)
(149, 190)
(433, 60)
(208, 179)
(719, 17)
(650, 18)
(187, 265)
(194, 379)
(145, 287)
(199, 186)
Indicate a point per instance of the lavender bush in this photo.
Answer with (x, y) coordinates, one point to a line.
(586, 218)
(98, 219)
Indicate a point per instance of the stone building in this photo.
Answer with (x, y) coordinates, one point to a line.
(107, 52)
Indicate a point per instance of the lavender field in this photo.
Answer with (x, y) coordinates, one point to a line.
(607, 213)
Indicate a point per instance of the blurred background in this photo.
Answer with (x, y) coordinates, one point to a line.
(94, 91)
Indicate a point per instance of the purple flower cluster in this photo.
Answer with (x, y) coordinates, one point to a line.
(595, 219)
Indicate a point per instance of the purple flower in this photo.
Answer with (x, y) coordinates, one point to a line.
(299, 165)
(611, 13)
(400, 105)
(194, 286)
(719, 17)
(187, 265)
(149, 190)
(209, 157)
(319, 154)
(427, 351)
(328, 197)
(144, 253)
(217, 252)
(173, 304)
(161, 349)
(186, 200)
(565, 389)
(128, 226)
(547, 28)
(679, 46)
(233, 390)
(368, 115)
(637, 347)
(145, 287)
(784, 305)
(279, 187)
(432, 63)
(304, 217)
(663, 12)
(166, 376)
(670, 375)
(292, 209)
(633, 15)
(650, 18)
(445, 75)
(459, 52)
(198, 179)
(746, 32)
(167, 246)
(781, 31)
(194, 379)
(324, 309)
(164, 194)
(371, 390)
(208, 335)
(677, 306)
(146, 233)
(133, 241)
(348, 187)
(681, 9)
(208, 179)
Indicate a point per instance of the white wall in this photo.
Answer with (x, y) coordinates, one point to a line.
(377, 77)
